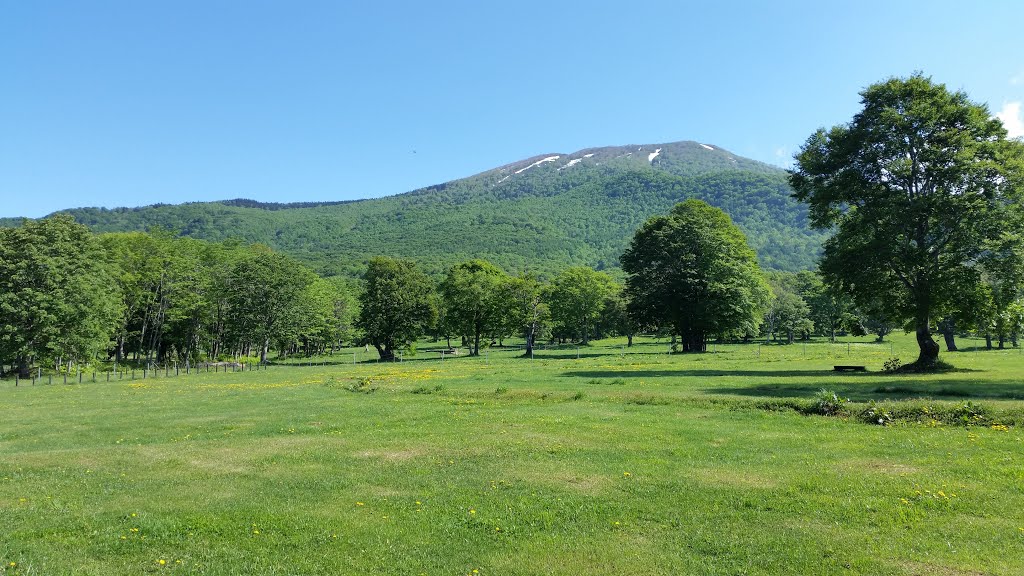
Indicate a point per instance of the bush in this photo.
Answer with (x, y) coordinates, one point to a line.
(892, 365)
(828, 402)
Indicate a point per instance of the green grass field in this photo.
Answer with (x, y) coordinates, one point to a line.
(613, 463)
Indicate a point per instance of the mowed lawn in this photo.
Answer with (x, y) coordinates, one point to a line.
(613, 463)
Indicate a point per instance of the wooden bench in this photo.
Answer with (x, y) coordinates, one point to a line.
(850, 368)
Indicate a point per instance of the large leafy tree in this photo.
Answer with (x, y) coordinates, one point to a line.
(577, 298)
(57, 295)
(473, 299)
(526, 313)
(397, 305)
(265, 299)
(693, 271)
(916, 186)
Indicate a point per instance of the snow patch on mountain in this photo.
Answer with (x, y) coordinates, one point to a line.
(538, 163)
(653, 155)
(571, 164)
(708, 147)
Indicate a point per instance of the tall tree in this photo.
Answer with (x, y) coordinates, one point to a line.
(693, 270)
(57, 295)
(265, 299)
(577, 298)
(397, 305)
(472, 295)
(527, 313)
(914, 186)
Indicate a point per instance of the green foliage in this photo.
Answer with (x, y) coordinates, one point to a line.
(829, 403)
(527, 314)
(542, 219)
(916, 187)
(58, 300)
(473, 298)
(693, 271)
(397, 305)
(268, 299)
(788, 313)
(577, 298)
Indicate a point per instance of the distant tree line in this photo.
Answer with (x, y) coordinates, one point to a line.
(68, 296)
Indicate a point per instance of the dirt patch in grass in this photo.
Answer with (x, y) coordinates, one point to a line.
(590, 484)
(923, 569)
(392, 454)
(732, 477)
(880, 466)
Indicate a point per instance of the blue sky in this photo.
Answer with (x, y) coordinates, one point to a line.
(131, 103)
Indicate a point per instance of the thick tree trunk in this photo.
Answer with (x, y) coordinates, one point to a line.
(988, 341)
(792, 337)
(629, 340)
(24, 367)
(950, 339)
(929, 354)
(263, 351)
(948, 330)
(385, 352)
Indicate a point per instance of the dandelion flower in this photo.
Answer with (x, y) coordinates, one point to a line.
(162, 562)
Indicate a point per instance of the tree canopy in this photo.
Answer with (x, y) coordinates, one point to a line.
(693, 271)
(917, 187)
(397, 304)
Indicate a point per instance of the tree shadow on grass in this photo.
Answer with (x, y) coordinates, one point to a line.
(709, 373)
(890, 389)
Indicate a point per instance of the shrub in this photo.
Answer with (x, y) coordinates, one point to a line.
(828, 402)
(892, 365)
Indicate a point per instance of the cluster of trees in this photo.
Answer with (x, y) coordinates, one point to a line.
(478, 303)
(67, 295)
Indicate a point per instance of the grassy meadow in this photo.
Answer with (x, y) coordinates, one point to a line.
(618, 461)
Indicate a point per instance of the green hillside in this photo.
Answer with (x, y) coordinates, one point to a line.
(541, 214)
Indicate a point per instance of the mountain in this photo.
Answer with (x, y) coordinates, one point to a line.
(539, 214)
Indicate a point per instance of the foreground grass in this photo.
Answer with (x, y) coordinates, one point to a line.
(613, 463)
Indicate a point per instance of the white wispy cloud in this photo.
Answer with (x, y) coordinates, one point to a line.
(1012, 120)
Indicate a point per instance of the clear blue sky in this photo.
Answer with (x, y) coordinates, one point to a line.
(129, 103)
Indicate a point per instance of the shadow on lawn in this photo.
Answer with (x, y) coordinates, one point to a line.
(896, 389)
(708, 373)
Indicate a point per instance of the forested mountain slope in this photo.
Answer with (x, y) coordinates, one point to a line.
(539, 214)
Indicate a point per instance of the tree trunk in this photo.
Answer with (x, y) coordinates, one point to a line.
(24, 367)
(476, 340)
(792, 337)
(385, 352)
(531, 334)
(988, 341)
(929, 354)
(263, 351)
(948, 330)
(629, 340)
